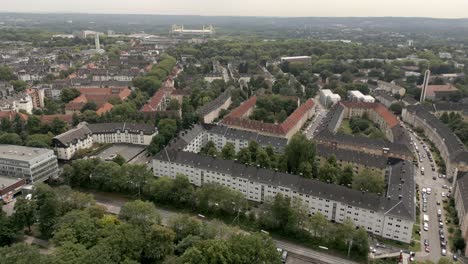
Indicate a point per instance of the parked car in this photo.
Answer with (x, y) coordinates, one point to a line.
(426, 242)
(427, 249)
(444, 252)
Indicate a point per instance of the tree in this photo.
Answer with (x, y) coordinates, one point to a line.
(140, 213)
(48, 209)
(185, 225)
(69, 94)
(228, 152)
(158, 244)
(254, 248)
(10, 138)
(209, 149)
(370, 181)
(19, 85)
(119, 159)
(89, 106)
(243, 156)
(78, 227)
(347, 176)
(25, 213)
(21, 254)
(8, 231)
(299, 150)
(6, 74)
(174, 105)
(318, 224)
(262, 158)
(396, 108)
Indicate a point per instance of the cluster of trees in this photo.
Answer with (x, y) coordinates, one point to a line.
(32, 133)
(83, 232)
(167, 128)
(281, 215)
(273, 108)
(456, 122)
(7, 75)
(367, 180)
(298, 156)
(363, 126)
(153, 80)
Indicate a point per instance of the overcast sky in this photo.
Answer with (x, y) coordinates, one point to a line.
(408, 8)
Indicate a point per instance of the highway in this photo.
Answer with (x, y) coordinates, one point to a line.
(113, 203)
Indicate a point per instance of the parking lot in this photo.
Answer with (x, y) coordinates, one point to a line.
(127, 151)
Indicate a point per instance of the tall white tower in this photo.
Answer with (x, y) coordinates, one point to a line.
(427, 75)
(96, 41)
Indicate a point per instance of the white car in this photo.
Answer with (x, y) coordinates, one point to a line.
(426, 227)
(424, 190)
(428, 190)
(442, 194)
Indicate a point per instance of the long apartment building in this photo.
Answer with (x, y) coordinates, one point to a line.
(85, 135)
(391, 215)
(396, 147)
(32, 164)
(452, 150)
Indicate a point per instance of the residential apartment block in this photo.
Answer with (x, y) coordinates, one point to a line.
(390, 215)
(32, 164)
(85, 135)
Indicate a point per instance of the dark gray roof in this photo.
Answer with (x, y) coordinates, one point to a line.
(352, 156)
(446, 106)
(401, 188)
(462, 185)
(103, 128)
(72, 136)
(234, 133)
(384, 94)
(215, 104)
(389, 205)
(455, 147)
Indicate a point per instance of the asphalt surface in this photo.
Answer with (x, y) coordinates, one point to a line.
(320, 113)
(127, 151)
(299, 254)
(427, 181)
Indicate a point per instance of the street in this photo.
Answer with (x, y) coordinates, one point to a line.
(320, 113)
(426, 181)
(113, 203)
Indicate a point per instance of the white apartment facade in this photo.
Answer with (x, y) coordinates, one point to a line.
(363, 211)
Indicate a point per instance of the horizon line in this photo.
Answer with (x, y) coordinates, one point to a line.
(240, 16)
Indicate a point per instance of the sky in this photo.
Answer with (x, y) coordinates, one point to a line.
(283, 8)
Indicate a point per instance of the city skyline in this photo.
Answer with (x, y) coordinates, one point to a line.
(296, 8)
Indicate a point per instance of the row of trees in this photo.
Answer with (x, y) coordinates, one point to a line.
(82, 232)
(280, 215)
(153, 80)
(299, 158)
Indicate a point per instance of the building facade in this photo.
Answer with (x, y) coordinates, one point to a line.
(32, 164)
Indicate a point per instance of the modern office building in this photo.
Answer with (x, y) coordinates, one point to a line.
(32, 164)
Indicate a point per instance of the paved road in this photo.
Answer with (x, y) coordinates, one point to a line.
(320, 113)
(113, 203)
(425, 181)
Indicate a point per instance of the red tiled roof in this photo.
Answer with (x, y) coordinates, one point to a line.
(380, 109)
(235, 118)
(98, 95)
(155, 101)
(432, 89)
(242, 109)
(10, 115)
(47, 119)
(292, 120)
(106, 107)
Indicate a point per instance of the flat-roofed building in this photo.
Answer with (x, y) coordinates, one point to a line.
(300, 59)
(32, 164)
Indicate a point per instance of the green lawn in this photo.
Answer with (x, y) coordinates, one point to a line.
(345, 128)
